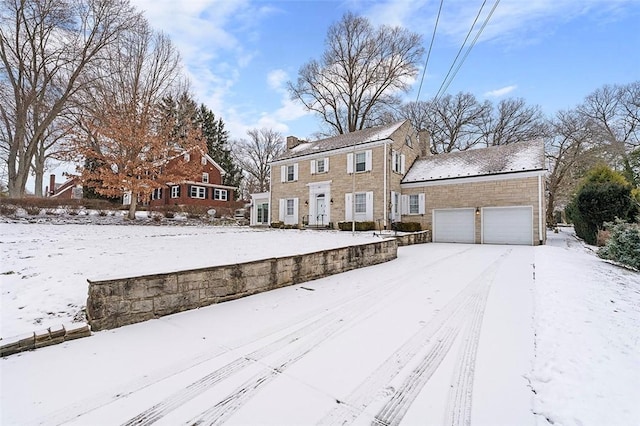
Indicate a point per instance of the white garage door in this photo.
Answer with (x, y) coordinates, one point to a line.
(507, 225)
(454, 226)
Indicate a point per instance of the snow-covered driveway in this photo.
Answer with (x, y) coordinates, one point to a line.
(441, 335)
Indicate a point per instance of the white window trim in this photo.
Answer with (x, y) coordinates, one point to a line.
(351, 165)
(284, 173)
(359, 217)
(406, 204)
(199, 190)
(205, 177)
(175, 190)
(203, 160)
(218, 194)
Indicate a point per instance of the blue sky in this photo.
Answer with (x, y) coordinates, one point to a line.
(239, 54)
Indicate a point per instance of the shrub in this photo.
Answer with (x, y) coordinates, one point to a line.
(7, 209)
(623, 245)
(360, 226)
(277, 225)
(407, 226)
(32, 210)
(602, 196)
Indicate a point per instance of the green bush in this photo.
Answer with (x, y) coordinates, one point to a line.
(603, 196)
(360, 226)
(407, 226)
(623, 245)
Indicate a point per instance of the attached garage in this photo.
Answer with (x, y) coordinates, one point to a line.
(507, 225)
(454, 226)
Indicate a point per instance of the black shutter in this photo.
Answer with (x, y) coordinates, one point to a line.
(189, 191)
(179, 188)
(213, 193)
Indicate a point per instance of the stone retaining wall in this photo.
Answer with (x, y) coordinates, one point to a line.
(42, 338)
(414, 238)
(118, 302)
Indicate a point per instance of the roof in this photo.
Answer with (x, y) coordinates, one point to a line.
(372, 134)
(511, 158)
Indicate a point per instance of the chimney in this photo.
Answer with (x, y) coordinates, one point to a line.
(52, 185)
(292, 142)
(424, 141)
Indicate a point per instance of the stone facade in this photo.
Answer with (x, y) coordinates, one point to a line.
(498, 191)
(380, 180)
(118, 302)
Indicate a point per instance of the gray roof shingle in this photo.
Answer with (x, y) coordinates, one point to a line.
(359, 137)
(515, 157)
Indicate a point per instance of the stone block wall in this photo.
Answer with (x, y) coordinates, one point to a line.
(118, 302)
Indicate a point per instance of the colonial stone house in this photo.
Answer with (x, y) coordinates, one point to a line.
(351, 176)
(386, 175)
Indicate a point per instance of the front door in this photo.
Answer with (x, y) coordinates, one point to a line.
(263, 214)
(321, 215)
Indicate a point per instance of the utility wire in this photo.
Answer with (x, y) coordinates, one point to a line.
(460, 50)
(433, 37)
(473, 43)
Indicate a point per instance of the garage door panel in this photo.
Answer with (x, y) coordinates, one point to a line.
(507, 225)
(454, 226)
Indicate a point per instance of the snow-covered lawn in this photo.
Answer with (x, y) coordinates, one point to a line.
(44, 268)
(445, 334)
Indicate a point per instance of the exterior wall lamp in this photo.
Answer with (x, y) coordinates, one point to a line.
(306, 202)
(477, 211)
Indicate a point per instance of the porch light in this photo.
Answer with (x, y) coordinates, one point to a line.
(477, 211)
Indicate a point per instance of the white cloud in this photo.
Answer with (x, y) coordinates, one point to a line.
(276, 79)
(500, 92)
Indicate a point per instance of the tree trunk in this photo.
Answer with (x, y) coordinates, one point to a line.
(132, 206)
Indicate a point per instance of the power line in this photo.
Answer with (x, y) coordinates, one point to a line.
(433, 37)
(484, 24)
(461, 47)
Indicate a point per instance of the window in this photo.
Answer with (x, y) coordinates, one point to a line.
(320, 166)
(407, 141)
(414, 204)
(396, 203)
(156, 194)
(198, 192)
(397, 162)
(289, 173)
(187, 157)
(175, 192)
(290, 207)
(205, 177)
(203, 160)
(361, 203)
(220, 194)
(361, 162)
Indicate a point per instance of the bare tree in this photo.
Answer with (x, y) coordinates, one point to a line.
(570, 152)
(455, 122)
(613, 114)
(254, 155)
(361, 73)
(128, 139)
(512, 120)
(44, 47)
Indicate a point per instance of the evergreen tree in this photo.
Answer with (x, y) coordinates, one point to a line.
(217, 140)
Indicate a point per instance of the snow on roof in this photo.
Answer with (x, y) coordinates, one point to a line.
(515, 157)
(359, 137)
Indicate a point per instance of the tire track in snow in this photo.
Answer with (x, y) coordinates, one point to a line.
(441, 329)
(352, 306)
(396, 408)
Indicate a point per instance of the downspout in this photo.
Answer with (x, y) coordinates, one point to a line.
(384, 188)
(540, 195)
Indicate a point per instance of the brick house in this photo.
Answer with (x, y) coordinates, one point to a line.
(71, 189)
(207, 191)
(386, 174)
(355, 175)
(492, 195)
